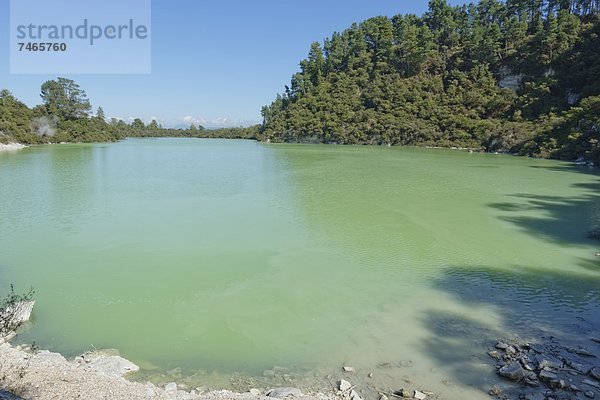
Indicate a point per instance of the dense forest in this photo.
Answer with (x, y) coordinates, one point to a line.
(65, 116)
(521, 76)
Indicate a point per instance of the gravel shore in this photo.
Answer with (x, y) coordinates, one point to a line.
(43, 375)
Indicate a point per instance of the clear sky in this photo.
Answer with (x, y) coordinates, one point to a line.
(213, 62)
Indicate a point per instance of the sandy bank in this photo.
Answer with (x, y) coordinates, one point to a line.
(11, 146)
(43, 375)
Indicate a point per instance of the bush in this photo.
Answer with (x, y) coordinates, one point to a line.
(11, 309)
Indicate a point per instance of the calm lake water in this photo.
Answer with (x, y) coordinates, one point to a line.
(231, 257)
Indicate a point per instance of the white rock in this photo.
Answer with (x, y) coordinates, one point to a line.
(111, 365)
(255, 392)
(354, 395)
(171, 387)
(419, 395)
(344, 385)
(348, 369)
(48, 357)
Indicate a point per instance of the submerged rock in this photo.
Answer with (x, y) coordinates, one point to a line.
(595, 373)
(107, 362)
(403, 393)
(547, 376)
(512, 371)
(549, 363)
(282, 393)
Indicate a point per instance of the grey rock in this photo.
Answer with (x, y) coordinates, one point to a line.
(511, 350)
(282, 393)
(255, 392)
(384, 397)
(494, 354)
(419, 395)
(574, 388)
(547, 376)
(532, 382)
(558, 384)
(343, 385)
(582, 368)
(512, 371)
(595, 373)
(501, 346)
(348, 369)
(582, 352)
(549, 363)
(589, 394)
(590, 383)
(4, 395)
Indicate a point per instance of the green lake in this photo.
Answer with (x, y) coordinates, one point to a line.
(231, 257)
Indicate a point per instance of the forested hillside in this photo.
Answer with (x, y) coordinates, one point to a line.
(521, 76)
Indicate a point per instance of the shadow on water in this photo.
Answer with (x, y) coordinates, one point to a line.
(521, 301)
(525, 304)
(560, 219)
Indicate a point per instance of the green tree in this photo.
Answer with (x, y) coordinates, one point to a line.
(64, 99)
(100, 114)
(138, 124)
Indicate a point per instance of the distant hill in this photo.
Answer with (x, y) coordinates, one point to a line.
(519, 76)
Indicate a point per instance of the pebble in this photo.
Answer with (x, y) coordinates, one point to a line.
(501, 346)
(589, 394)
(495, 391)
(348, 369)
(255, 392)
(419, 395)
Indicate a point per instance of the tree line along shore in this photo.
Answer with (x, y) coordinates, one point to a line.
(514, 76)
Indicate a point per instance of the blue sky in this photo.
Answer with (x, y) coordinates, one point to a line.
(213, 62)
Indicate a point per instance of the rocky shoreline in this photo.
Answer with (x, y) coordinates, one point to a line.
(547, 370)
(32, 374)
